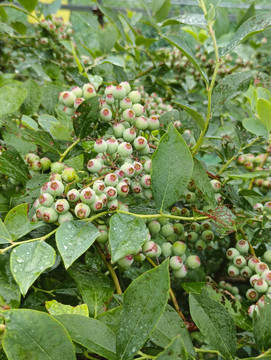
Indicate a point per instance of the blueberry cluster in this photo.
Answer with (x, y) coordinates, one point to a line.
(153, 103)
(36, 164)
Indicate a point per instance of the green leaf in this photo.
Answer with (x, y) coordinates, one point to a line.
(175, 350)
(17, 222)
(252, 26)
(28, 261)
(107, 38)
(127, 234)
(261, 325)
(26, 337)
(160, 9)
(46, 122)
(186, 51)
(77, 162)
(251, 175)
(193, 113)
(249, 13)
(168, 327)
(60, 132)
(222, 22)
(88, 115)
(251, 95)
(264, 111)
(95, 287)
(29, 5)
(202, 182)
(111, 318)
(142, 40)
(11, 98)
(255, 127)
(187, 19)
(231, 86)
(32, 102)
(56, 308)
(143, 304)
(215, 323)
(12, 164)
(172, 166)
(50, 94)
(5, 237)
(29, 122)
(193, 287)
(52, 8)
(90, 333)
(41, 138)
(169, 117)
(115, 60)
(113, 16)
(9, 294)
(73, 238)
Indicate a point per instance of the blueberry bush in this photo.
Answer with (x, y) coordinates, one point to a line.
(135, 182)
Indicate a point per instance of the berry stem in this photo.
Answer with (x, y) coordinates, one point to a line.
(162, 215)
(62, 157)
(109, 267)
(172, 295)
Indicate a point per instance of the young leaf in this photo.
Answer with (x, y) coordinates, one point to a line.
(88, 115)
(29, 5)
(41, 138)
(5, 237)
(261, 325)
(161, 9)
(143, 304)
(175, 350)
(168, 327)
(187, 52)
(73, 238)
(28, 261)
(12, 164)
(187, 19)
(95, 287)
(172, 166)
(56, 308)
(31, 334)
(255, 126)
(193, 113)
(90, 333)
(11, 98)
(202, 182)
(215, 323)
(252, 26)
(264, 111)
(17, 222)
(127, 234)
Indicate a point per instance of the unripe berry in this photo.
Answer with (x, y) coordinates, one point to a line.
(46, 199)
(122, 188)
(118, 130)
(150, 249)
(260, 286)
(145, 151)
(192, 236)
(166, 249)
(109, 99)
(242, 246)
(126, 261)
(136, 187)
(267, 256)
(167, 230)
(98, 203)
(253, 279)
(206, 225)
(175, 262)
(267, 207)
(87, 195)
(252, 262)
(129, 115)
(36, 165)
(112, 146)
(103, 237)
(125, 103)
(129, 134)
(138, 167)
(148, 194)
(77, 91)
(82, 210)
(266, 275)
(178, 228)
(94, 165)
(134, 96)
(231, 253)
(112, 205)
(98, 186)
(126, 85)
(260, 302)
(141, 123)
(246, 272)
(200, 245)
(216, 185)
(36, 204)
(153, 123)
(239, 261)
(139, 257)
(146, 181)
(261, 267)
(55, 188)
(61, 206)
(181, 273)
(208, 235)
(73, 195)
(140, 143)
(191, 197)
(111, 193)
(57, 167)
(138, 109)
(89, 92)
(68, 98)
(109, 89)
(147, 166)
(78, 102)
(193, 262)
(106, 114)
(68, 174)
(55, 176)
(125, 149)
(45, 163)
(233, 270)
(39, 212)
(49, 215)
(86, 86)
(154, 227)
(111, 179)
(252, 309)
(195, 227)
(100, 146)
(179, 248)
(119, 92)
(64, 217)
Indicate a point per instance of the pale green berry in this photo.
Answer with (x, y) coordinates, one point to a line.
(261, 267)
(138, 167)
(111, 193)
(139, 257)
(266, 275)
(254, 278)
(135, 96)
(65, 217)
(87, 195)
(125, 103)
(179, 248)
(55, 188)
(246, 272)
(45, 163)
(252, 295)
(89, 92)
(68, 98)
(216, 185)
(192, 236)
(109, 99)
(61, 206)
(39, 212)
(125, 149)
(106, 114)
(242, 246)
(100, 146)
(200, 245)
(103, 237)
(233, 270)
(193, 262)
(111, 179)
(175, 262)
(57, 167)
(153, 123)
(154, 227)
(166, 249)
(128, 169)
(148, 194)
(118, 129)
(94, 165)
(129, 134)
(178, 228)
(49, 215)
(151, 249)
(252, 262)
(147, 166)
(129, 115)
(261, 286)
(195, 227)
(138, 109)
(207, 235)
(267, 256)
(55, 176)
(119, 92)
(86, 86)
(77, 91)
(122, 188)
(46, 199)
(140, 143)
(112, 146)
(82, 210)
(73, 195)
(145, 181)
(141, 123)
(68, 174)
(99, 186)
(167, 230)
(98, 203)
(239, 261)
(109, 89)
(181, 273)
(126, 261)
(112, 205)
(126, 85)
(231, 253)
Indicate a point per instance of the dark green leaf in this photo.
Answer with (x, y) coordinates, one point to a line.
(172, 166)
(161, 9)
(202, 182)
(169, 117)
(12, 164)
(113, 16)
(90, 333)
(95, 287)
(193, 287)
(143, 304)
(111, 318)
(9, 294)
(175, 350)
(126, 235)
(5, 237)
(29, 5)
(32, 102)
(186, 51)
(41, 138)
(88, 115)
(248, 14)
(215, 323)
(261, 325)
(26, 337)
(11, 98)
(187, 19)
(28, 261)
(193, 113)
(73, 238)
(252, 26)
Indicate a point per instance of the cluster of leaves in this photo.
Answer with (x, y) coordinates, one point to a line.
(62, 277)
